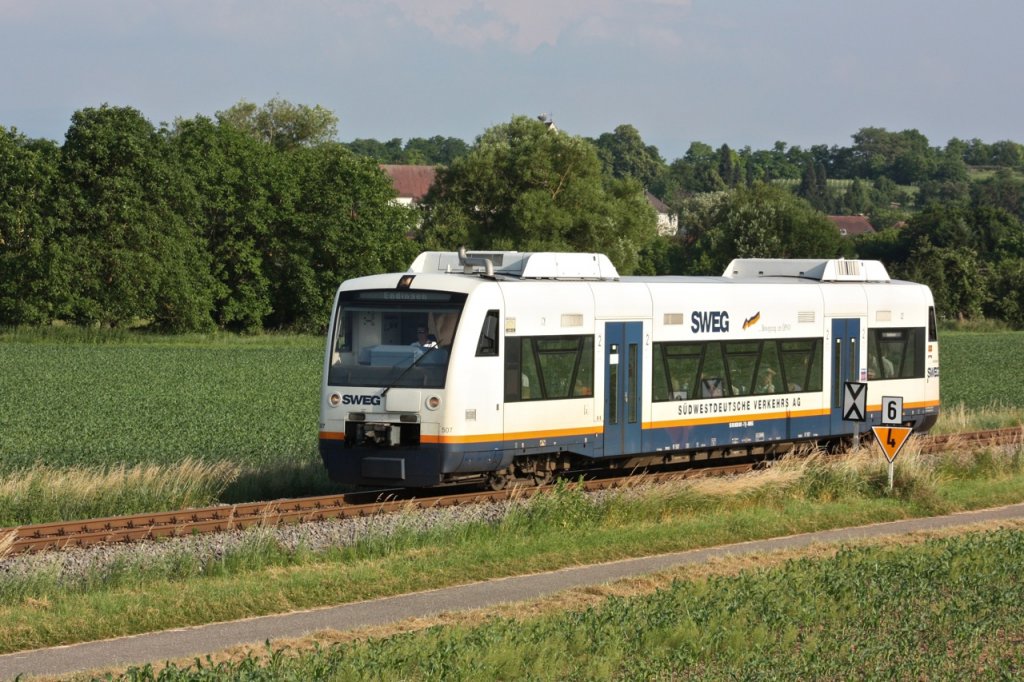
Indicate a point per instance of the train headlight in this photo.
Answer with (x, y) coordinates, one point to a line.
(334, 399)
(433, 402)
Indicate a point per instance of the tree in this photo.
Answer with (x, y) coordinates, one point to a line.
(1007, 288)
(1004, 190)
(381, 152)
(986, 230)
(434, 151)
(809, 188)
(235, 179)
(857, 201)
(282, 124)
(954, 275)
(523, 186)
(761, 222)
(904, 156)
(27, 175)
(342, 224)
(625, 155)
(729, 168)
(125, 253)
(1007, 153)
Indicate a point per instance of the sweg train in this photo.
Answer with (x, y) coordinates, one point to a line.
(499, 366)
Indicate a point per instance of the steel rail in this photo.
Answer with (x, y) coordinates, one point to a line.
(222, 518)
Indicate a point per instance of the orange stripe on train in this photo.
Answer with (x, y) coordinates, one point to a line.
(519, 435)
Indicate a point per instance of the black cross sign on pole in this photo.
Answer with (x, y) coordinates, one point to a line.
(855, 401)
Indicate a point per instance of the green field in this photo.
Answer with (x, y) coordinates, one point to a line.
(982, 369)
(254, 401)
(99, 402)
(943, 609)
(159, 400)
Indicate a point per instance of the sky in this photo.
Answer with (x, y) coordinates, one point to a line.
(736, 72)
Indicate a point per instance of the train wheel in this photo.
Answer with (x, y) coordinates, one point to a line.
(542, 478)
(498, 480)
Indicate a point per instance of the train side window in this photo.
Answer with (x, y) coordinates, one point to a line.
(660, 380)
(487, 344)
(712, 372)
(801, 364)
(933, 327)
(675, 370)
(532, 385)
(741, 358)
(896, 353)
(583, 383)
(549, 367)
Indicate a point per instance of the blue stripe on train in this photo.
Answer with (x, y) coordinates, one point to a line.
(424, 465)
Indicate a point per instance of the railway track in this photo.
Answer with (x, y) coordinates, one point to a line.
(222, 518)
(1007, 436)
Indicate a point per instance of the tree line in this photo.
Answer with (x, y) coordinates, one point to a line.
(249, 220)
(243, 222)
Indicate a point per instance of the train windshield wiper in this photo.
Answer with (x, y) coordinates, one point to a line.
(430, 349)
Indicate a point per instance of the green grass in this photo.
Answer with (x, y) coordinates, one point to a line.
(941, 609)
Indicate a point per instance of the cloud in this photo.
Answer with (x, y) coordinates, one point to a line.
(525, 25)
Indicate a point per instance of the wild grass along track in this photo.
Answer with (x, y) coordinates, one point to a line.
(221, 518)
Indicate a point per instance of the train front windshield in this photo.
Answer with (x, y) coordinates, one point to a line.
(389, 338)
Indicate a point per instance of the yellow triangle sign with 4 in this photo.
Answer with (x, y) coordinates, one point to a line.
(891, 439)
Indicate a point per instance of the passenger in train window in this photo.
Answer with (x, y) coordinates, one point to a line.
(711, 387)
(887, 369)
(678, 391)
(766, 384)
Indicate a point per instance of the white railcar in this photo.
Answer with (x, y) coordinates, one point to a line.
(495, 366)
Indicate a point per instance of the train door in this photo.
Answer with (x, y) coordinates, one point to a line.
(623, 405)
(845, 367)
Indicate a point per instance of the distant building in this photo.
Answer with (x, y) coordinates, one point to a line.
(411, 183)
(668, 224)
(851, 225)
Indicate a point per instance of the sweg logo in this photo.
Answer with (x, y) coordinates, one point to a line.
(709, 321)
(348, 399)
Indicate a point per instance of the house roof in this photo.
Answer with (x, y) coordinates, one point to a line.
(851, 225)
(656, 203)
(410, 182)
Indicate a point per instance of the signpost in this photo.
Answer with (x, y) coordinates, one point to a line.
(891, 435)
(855, 407)
(855, 401)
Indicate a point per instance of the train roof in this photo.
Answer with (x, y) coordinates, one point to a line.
(515, 265)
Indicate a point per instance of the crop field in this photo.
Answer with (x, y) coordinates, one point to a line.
(254, 402)
(942, 609)
(86, 404)
(982, 369)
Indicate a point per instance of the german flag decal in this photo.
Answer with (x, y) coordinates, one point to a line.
(751, 321)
